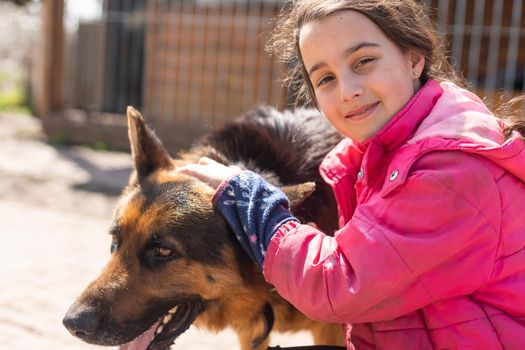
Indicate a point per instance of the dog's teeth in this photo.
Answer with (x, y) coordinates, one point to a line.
(173, 310)
(166, 318)
(159, 330)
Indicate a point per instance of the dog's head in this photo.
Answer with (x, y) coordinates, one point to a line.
(173, 258)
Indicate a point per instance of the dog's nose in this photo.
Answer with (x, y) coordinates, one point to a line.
(82, 323)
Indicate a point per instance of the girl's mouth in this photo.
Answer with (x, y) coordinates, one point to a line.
(362, 112)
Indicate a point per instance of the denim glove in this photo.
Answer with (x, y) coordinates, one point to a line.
(254, 210)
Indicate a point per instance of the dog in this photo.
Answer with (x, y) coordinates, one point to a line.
(175, 261)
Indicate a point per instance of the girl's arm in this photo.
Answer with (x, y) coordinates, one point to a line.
(435, 238)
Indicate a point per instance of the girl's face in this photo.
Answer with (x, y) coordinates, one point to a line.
(361, 79)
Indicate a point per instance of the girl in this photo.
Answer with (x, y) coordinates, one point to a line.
(429, 184)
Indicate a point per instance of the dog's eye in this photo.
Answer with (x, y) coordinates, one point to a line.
(159, 253)
(114, 245)
(163, 252)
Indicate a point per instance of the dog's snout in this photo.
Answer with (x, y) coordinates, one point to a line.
(82, 323)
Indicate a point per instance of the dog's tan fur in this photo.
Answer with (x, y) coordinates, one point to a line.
(129, 295)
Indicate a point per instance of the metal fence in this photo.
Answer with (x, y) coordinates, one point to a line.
(203, 61)
(486, 41)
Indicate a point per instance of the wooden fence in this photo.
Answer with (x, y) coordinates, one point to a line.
(486, 42)
(205, 63)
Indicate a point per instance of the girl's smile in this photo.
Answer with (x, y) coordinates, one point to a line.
(360, 78)
(362, 112)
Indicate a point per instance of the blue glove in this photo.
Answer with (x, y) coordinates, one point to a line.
(254, 210)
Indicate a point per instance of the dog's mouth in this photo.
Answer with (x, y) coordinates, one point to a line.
(163, 333)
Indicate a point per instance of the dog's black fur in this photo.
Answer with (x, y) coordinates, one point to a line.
(286, 148)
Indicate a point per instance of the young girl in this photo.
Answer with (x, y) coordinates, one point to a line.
(429, 184)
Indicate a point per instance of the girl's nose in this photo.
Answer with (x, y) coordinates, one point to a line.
(350, 89)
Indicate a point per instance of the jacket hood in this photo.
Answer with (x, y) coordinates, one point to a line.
(460, 114)
(461, 121)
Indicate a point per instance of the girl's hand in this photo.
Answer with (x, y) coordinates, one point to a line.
(209, 171)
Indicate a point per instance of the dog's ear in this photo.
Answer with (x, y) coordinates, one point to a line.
(146, 149)
(298, 193)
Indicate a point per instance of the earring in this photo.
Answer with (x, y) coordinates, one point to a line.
(416, 74)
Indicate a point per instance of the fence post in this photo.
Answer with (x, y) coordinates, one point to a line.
(49, 90)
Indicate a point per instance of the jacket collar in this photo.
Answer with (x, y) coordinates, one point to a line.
(349, 155)
(404, 124)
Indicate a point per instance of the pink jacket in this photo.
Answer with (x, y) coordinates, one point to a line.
(430, 251)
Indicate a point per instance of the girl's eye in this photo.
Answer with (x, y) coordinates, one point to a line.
(163, 252)
(363, 62)
(325, 80)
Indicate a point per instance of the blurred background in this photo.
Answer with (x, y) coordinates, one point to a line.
(69, 68)
(192, 64)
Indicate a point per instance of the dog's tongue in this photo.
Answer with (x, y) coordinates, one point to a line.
(142, 341)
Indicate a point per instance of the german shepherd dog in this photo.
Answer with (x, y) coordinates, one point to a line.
(175, 261)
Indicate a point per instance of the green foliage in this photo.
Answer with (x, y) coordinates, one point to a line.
(13, 94)
(59, 139)
(100, 146)
(13, 100)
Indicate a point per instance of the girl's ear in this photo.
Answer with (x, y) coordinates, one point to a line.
(418, 63)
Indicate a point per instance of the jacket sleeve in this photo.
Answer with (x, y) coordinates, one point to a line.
(433, 238)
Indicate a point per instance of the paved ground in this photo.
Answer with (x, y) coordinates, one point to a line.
(55, 206)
